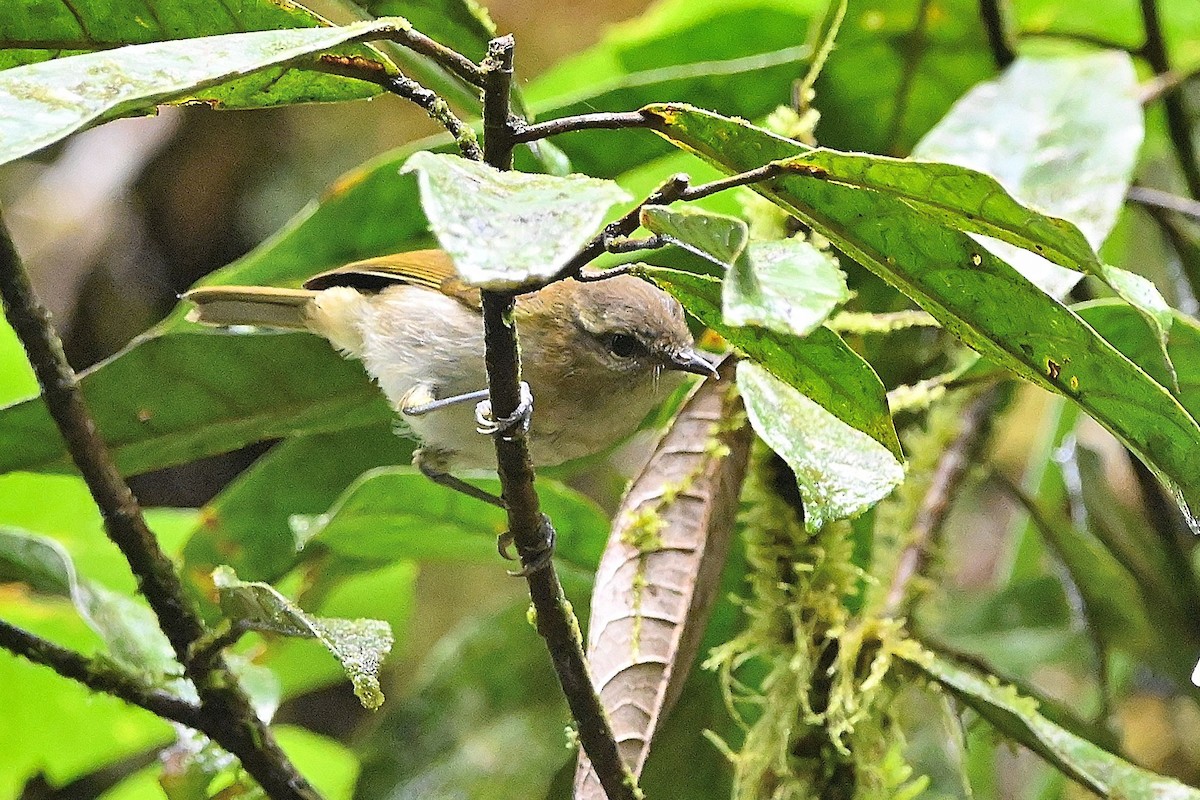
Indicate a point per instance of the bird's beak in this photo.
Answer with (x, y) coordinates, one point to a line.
(690, 361)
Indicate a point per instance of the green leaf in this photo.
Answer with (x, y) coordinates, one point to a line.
(1126, 330)
(820, 366)
(44, 102)
(787, 286)
(128, 628)
(975, 296)
(717, 237)
(396, 513)
(360, 645)
(509, 230)
(1061, 134)
(453, 735)
(330, 766)
(670, 52)
(246, 525)
(172, 399)
(1018, 718)
(840, 470)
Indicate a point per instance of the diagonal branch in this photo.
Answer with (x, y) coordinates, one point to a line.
(99, 677)
(231, 719)
(528, 526)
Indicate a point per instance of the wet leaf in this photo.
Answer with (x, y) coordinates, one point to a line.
(840, 470)
(820, 366)
(509, 230)
(976, 296)
(43, 102)
(360, 645)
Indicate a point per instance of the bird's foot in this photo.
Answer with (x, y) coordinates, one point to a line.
(505, 426)
(534, 560)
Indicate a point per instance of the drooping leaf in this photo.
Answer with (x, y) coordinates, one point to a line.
(360, 645)
(1060, 134)
(787, 286)
(128, 628)
(156, 405)
(840, 470)
(717, 237)
(659, 575)
(397, 513)
(820, 366)
(975, 296)
(508, 230)
(453, 735)
(43, 102)
(1018, 718)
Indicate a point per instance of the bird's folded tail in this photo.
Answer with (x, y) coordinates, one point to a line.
(251, 305)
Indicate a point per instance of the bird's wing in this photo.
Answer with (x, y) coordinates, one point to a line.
(431, 269)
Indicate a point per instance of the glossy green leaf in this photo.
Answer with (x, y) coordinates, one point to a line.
(787, 286)
(1060, 134)
(840, 470)
(975, 296)
(360, 645)
(820, 366)
(42, 103)
(1018, 718)
(508, 230)
(128, 628)
(396, 513)
(330, 766)
(171, 399)
(717, 237)
(1126, 330)
(453, 736)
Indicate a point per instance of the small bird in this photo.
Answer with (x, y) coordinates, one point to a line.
(592, 352)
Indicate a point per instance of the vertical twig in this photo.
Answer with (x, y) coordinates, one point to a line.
(555, 622)
(1178, 125)
(996, 27)
(952, 467)
(229, 716)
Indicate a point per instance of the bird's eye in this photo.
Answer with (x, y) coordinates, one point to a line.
(622, 345)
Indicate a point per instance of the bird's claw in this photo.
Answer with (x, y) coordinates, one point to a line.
(488, 425)
(534, 560)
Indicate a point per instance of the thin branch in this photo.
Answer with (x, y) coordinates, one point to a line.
(232, 721)
(608, 121)
(1187, 283)
(951, 469)
(1083, 37)
(402, 86)
(996, 27)
(454, 61)
(99, 677)
(1156, 198)
(1162, 85)
(528, 525)
(1178, 126)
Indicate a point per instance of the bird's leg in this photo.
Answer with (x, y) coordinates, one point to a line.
(455, 483)
(519, 419)
(535, 560)
(422, 391)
